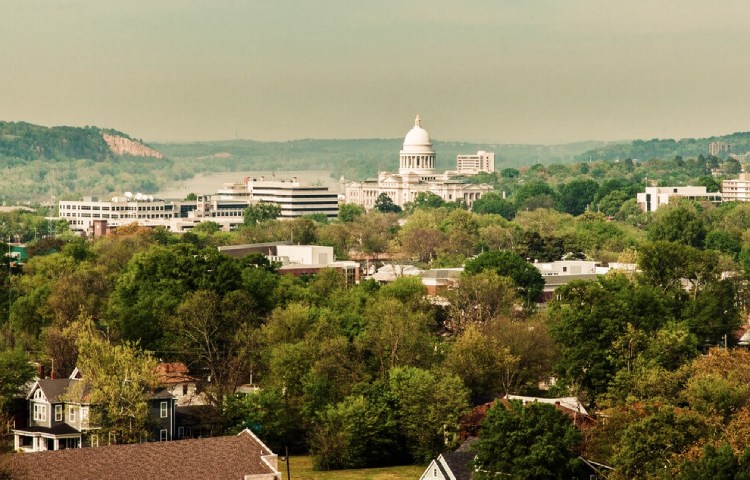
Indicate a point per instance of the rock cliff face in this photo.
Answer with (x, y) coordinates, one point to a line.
(124, 146)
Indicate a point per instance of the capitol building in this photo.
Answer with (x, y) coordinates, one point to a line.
(417, 174)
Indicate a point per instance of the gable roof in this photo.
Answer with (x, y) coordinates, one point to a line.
(175, 372)
(231, 457)
(52, 388)
(458, 464)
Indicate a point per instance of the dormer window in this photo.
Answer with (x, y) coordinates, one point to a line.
(58, 413)
(71, 413)
(38, 394)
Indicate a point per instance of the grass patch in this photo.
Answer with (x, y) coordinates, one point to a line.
(301, 469)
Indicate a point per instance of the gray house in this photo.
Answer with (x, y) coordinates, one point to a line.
(57, 420)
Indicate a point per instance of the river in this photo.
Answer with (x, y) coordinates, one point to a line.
(209, 183)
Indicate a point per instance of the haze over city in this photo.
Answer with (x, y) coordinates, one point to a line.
(508, 72)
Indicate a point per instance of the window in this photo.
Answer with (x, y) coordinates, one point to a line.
(94, 440)
(84, 414)
(71, 413)
(184, 389)
(163, 410)
(180, 432)
(40, 412)
(58, 413)
(163, 434)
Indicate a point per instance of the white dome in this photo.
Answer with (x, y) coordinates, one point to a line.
(417, 137)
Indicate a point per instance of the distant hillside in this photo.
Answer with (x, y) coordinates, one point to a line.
(24, 141)
(666, 148)
(354, 159)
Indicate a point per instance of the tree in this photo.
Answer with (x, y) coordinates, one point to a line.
(533, 441)
(534, 188)
(725, 242)
(425, 200)
(649, 445)
(575, 197)
(261, 212)
(680, 223)
(348, 212)
(493, 203)
(480, 360)
(209, 328)
(717, 464)
(119, 379)
(15, 372)
(384, 204)
(478, 299)
(527, 278)
(428, 408)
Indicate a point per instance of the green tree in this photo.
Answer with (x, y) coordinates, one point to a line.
(717, 464)
(428, 409)
(384, 204)
(527, 278)
(535, 441)
(261, 212)
(576, 196)
(15, 372)
(681, 223)
(493, 203)
(425, 200)
(478, 299)
(348, 212)
(648, 446)
(119, 379)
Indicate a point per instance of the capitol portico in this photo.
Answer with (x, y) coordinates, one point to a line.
(416, 174)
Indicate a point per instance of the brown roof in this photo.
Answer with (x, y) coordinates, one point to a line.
(231, 457)
(175, 372)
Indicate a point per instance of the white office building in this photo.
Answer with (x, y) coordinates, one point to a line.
(655, 197)
(736, 190)
(480, 162)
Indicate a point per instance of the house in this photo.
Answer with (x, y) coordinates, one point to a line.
(471, 422)
(55, 421)
(449, 466)
(59, 413)
(176, 379)
(238, 457)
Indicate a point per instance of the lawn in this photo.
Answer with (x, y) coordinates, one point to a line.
(301, 469)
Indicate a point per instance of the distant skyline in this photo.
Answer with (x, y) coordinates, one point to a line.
(503, 71)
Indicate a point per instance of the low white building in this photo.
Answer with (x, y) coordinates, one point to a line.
(655, 197)
(147, 211)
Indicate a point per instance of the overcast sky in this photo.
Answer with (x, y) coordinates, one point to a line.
(505, 71)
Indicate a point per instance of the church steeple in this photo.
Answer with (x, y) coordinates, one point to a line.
(418, 121)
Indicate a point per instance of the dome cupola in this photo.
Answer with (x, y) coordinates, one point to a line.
(417, 155)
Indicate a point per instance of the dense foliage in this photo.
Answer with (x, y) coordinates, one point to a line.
(369, 374)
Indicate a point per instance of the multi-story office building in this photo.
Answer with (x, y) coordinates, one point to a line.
(475, 163)
(736, 190)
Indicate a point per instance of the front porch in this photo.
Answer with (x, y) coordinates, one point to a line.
(40, 439)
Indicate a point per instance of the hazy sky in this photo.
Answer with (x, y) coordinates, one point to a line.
(505, 71)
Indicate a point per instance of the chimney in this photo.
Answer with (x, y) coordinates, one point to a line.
(41, 371)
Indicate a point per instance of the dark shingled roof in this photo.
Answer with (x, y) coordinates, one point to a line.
(231, 457)
(56, 429)
(458, 462)
(54, 388)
